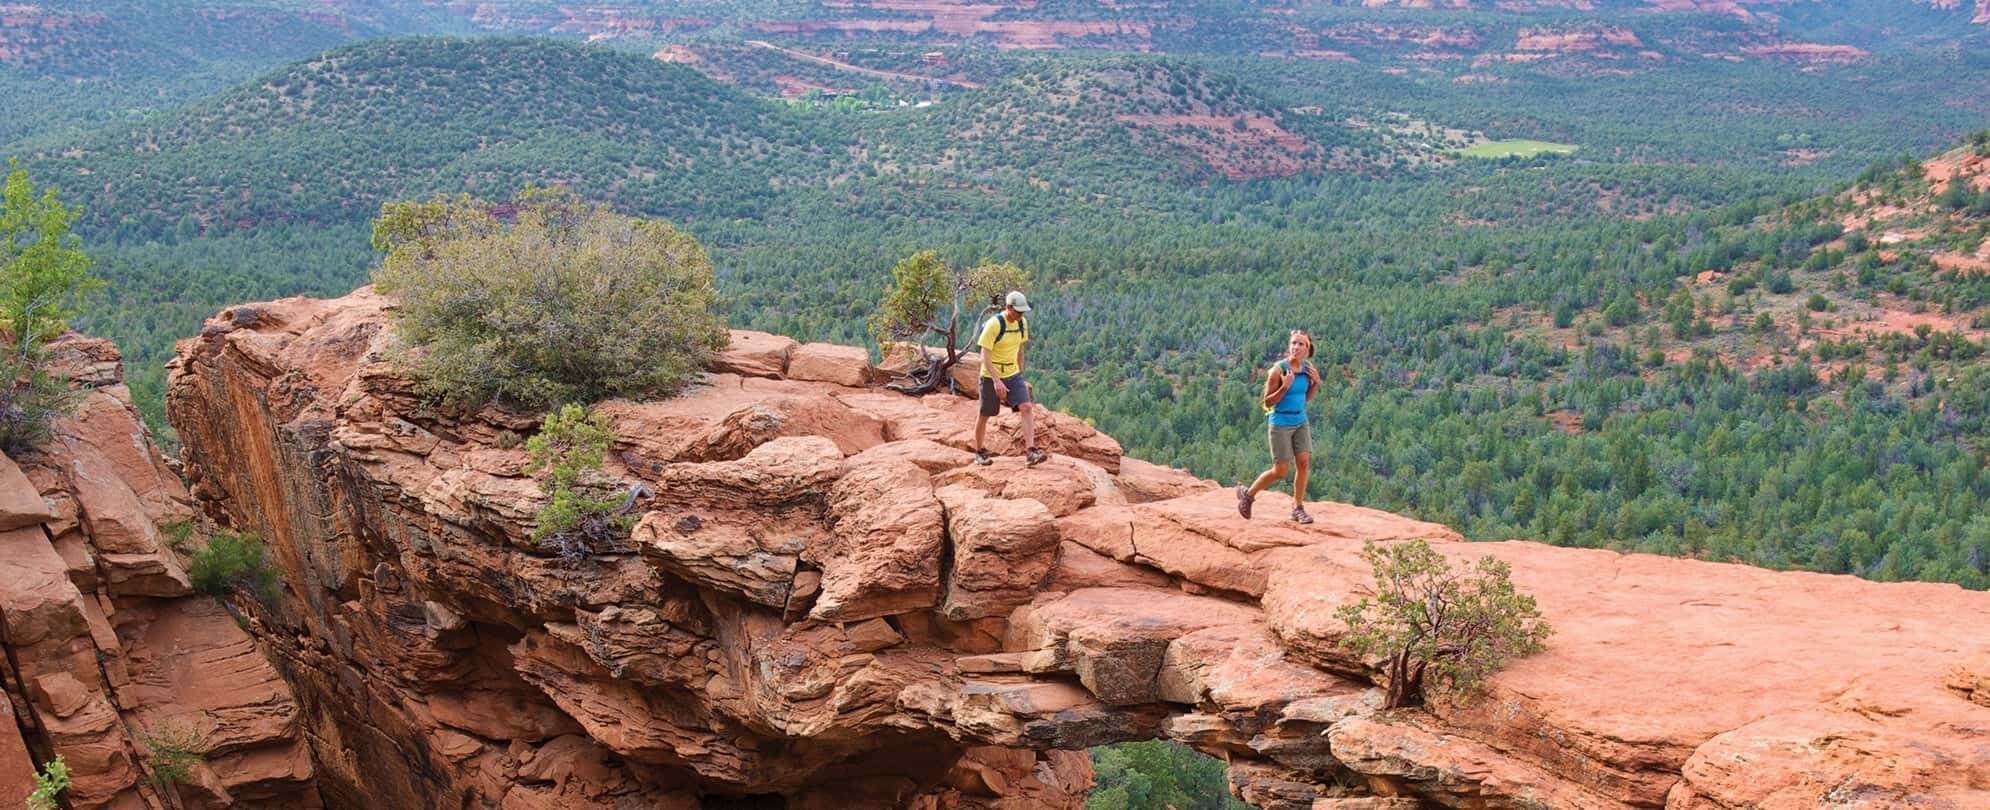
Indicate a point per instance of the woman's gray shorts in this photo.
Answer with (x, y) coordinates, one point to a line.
(1288, 442)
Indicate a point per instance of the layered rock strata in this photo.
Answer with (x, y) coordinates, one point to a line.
(107, 649)
(824, 604)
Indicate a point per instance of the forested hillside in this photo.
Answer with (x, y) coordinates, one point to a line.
(327, 140)
(1566, 346)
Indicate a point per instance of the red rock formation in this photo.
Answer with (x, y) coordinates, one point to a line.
(104, 644)
(824, 602)
(1982, 8)
(1576, 40)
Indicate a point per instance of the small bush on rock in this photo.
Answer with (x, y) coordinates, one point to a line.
(30, 398)
(231, 561)
(177, 533)
(175, 750)
(580, 514)
(1438, 626)
(563, 301)
(50, 782)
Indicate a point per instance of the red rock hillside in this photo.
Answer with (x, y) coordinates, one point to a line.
(105, 645)
(825, 606)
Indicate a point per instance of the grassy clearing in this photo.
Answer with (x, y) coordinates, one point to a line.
(1525, 149)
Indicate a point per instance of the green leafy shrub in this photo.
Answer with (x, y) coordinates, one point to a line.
(50, 782)
(44, 277)
(232, 561)
(567, 302)
(175, 749)
(1438, 626)
(579, 514)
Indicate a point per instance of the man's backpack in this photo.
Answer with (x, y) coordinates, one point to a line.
(1022, 325)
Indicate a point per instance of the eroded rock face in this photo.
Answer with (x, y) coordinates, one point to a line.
(105, 645)
(824, 604)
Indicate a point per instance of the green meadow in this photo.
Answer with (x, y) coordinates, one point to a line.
(1518, 148)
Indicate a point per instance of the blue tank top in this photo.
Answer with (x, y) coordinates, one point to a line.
(1290, 410)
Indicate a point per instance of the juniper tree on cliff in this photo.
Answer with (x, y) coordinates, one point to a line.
(545, 300)
(1438, 626)
(927, 299)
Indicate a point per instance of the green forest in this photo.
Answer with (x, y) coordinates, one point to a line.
(1512, 360)
(1734, 319)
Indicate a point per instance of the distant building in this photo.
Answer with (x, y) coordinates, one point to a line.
(933, 58)
(1309, 109)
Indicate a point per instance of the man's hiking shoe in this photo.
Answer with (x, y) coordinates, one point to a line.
(981, 457)
(1244, 502)
(1299, 515)
(1034, 457)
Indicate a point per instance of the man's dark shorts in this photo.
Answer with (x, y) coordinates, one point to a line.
(1019, 393)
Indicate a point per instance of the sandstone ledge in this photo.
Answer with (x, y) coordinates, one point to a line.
(823, 601)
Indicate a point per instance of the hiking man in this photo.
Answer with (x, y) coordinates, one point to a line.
(1288, 386)
(1003, 337)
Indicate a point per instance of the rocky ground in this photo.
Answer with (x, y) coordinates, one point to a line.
(106, 647)
(823, 604)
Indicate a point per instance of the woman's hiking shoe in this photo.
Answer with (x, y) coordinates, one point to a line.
(981, 456)
(1299, 515)
(1244, 502)
(1034, 457)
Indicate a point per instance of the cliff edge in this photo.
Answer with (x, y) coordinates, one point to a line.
(823, 604)
(106, 647)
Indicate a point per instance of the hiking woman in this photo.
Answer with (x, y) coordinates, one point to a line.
(1288, 386)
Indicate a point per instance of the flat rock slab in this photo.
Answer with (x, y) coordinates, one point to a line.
(847, 366)
(1200, 537)
(755, 354)
(1749, 659)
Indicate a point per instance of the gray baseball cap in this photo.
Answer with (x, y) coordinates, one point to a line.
(1017, 300)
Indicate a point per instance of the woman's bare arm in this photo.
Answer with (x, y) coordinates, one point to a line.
(1274, 386)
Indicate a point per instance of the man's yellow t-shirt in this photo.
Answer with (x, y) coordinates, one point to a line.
(1002, 353)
